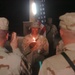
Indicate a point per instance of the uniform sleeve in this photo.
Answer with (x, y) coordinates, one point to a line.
(46, 46)
(25, 46)
(17, 52)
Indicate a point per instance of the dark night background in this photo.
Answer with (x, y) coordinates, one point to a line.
(17, 11)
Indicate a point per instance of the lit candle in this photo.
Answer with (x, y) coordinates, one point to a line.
(34, 40)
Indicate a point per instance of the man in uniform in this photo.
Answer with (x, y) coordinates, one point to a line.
(10, 63)
(35, 45)
(57, 64)
(51, 32)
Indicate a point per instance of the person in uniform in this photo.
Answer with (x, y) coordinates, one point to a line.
(57, 64)
(10, 63)
(35, 46)
(51, 33)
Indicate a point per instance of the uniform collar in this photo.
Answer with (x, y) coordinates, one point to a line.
(35, 37)
(70, 47)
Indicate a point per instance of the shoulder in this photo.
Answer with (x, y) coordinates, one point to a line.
(54, 62)
(14, 57)
(53, 59)
(11, 59)
(42, 37)
(26, 37)
(14, 60)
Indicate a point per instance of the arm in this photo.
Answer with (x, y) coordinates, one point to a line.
(14, 44)
(45, 46)
(24, 65)
(25, 45)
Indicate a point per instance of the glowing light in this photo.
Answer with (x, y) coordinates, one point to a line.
(34, 40)
(34, 8)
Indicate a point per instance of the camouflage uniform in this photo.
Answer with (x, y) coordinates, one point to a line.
(10, 63)
(24, 65)
(54, 66)
(35, 54)
(51, 32)
(57, 64)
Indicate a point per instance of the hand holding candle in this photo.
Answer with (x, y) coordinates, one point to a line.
(33, 43)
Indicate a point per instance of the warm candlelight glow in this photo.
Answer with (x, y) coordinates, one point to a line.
(34, 39)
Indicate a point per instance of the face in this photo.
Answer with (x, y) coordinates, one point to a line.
(34, 30)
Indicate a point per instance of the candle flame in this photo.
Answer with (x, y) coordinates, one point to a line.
(34, 39)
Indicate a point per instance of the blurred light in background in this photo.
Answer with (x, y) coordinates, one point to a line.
(34, 11)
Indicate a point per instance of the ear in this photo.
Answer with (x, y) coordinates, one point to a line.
(61, 32)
